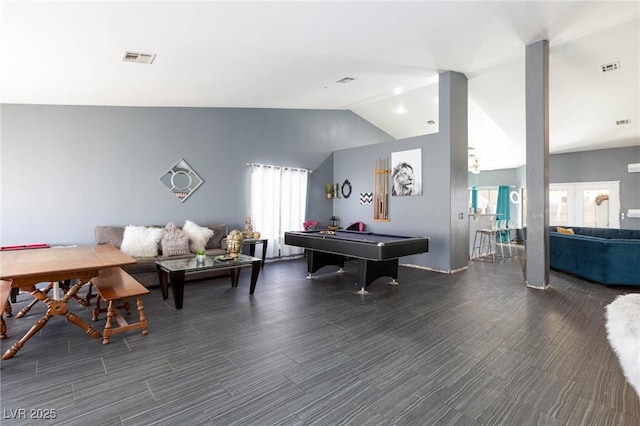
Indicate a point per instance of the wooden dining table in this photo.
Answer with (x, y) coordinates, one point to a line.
(26, 268)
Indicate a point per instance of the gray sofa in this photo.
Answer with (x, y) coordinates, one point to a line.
(145, 270)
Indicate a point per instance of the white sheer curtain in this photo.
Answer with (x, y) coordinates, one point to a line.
(278, 204)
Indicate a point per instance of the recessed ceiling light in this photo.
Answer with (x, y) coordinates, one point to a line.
(401, 110)
(621, 122)
(345, 80)
(138, 58)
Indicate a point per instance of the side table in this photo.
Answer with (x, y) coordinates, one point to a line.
(251, 242)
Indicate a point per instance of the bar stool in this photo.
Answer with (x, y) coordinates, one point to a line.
(486, 242)
(504, 235)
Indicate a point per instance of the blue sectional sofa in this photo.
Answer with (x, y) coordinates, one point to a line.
(605, 255)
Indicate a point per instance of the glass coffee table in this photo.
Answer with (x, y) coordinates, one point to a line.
(251, 242)
(173, 271)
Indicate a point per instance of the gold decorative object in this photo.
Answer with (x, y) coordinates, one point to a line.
(248, 228)
(256, 235)
(234, 243)
(328, 188)
(381, 171)
(600, 198)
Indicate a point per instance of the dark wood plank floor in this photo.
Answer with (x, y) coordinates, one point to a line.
(476, 348)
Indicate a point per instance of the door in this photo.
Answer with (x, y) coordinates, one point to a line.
(589, 204)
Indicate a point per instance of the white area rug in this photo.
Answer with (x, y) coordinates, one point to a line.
(623, 332)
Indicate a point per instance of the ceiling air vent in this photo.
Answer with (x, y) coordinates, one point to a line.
(610, 67)
(621, 122)
(345, 80)
(140, 58)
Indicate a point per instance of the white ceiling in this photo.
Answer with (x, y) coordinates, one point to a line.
(269, 54)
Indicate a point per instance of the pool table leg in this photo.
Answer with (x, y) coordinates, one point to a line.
(369, 271)
(362, 291)
(319, 259)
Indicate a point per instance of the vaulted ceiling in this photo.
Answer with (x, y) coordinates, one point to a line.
(292, 54)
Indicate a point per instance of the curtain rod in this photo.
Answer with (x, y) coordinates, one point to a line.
(278, 167)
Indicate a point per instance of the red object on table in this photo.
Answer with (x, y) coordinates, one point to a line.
(24, 246)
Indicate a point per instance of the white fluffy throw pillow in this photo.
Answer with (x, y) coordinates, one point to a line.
(141, 241)
(198, 235)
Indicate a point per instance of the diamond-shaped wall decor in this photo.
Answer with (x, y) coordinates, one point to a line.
(181, 180)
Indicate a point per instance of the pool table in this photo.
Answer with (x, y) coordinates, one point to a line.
(377, 254)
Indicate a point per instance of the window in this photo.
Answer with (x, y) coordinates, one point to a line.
(558, 208)
(278, 203)
(590, 204)
(487, 197)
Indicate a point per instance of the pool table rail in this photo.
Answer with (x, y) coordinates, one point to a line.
(361, 245)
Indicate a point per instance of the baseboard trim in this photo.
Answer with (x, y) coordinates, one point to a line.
(452, 271)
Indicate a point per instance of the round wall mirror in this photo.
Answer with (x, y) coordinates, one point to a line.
(181, 180)
(514, 197)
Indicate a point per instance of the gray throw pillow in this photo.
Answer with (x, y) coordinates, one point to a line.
(174, 241)
(109, 235)
(219, 232)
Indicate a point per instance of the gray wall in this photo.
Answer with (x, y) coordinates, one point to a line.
(319, 208)
(444, 191)
(420, 215)
(66, 169)
(602, 165)
(495, 178)
(586, 166)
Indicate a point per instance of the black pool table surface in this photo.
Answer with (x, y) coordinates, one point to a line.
(377, 254)
(365, 245)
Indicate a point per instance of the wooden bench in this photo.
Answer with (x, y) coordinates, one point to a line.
(113, 284)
